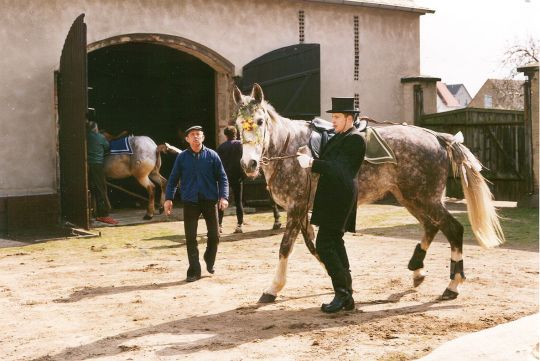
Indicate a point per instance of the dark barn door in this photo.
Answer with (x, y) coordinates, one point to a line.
(72, 108)
(290, 78)
(291, 81)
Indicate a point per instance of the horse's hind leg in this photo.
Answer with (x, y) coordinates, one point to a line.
(287, 243)
(416, 263)
(150, 188)
(158, 179)
(453, 230)
(423, 214)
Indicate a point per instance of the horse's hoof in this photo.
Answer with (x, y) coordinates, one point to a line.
(276, 225)
(161, 209)
(267, 298)
(448, 295)
(418, 281)
(147, 217)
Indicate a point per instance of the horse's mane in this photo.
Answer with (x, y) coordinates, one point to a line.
(275, 116)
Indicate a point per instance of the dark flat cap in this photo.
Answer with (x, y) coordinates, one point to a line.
(194, 127)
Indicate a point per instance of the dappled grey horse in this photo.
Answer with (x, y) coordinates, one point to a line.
(143, 164)
(418, 182)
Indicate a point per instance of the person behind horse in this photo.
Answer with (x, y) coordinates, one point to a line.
(110, 136)
(96, 147)
(204, 189)
(230, 153)
(334, 207)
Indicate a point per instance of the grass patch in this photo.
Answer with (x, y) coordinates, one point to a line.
(520, 227)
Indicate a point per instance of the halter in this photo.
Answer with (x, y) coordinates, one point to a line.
(248, 123)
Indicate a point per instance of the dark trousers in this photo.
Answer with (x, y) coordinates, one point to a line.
(331, 249)
(237, 190)
(98, 189)
(192, 212)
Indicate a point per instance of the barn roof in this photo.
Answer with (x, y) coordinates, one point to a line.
(401, 5)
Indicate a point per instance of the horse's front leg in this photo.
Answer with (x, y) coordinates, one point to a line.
(287, 243)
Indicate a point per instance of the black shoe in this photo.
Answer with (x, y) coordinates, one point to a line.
(343, 300)
(193, 278)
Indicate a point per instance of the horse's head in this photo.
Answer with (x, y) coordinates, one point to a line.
(252, 121)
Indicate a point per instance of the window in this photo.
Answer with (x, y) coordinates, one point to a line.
(488, 101)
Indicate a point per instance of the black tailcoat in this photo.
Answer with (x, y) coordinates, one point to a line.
(335, 199)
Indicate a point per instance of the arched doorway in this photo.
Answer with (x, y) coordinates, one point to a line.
(150, 89)
(161, 76)
(156, 85)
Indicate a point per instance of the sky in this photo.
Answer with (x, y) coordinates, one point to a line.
(465, 40)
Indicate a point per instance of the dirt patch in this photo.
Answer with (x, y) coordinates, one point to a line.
(123, 296)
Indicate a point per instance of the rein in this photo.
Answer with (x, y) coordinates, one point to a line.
(266, 160)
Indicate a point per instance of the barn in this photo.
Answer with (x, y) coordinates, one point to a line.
(154, 66)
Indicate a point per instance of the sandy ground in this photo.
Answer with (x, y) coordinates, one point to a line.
(123, 296)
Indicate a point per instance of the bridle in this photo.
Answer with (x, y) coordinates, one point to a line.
(265, 160)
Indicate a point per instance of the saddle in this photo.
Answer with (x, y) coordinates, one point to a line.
(323, 131)
(377, 150)
(120, 146)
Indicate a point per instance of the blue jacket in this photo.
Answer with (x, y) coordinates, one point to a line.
(201, 177)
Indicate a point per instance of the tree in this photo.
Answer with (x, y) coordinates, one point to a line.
(520, 55)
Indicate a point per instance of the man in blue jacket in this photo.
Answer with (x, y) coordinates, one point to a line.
(204, 188)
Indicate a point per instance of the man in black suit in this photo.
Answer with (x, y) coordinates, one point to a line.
(334, 208)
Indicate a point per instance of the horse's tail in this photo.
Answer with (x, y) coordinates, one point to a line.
(161, 148)
(482, 213)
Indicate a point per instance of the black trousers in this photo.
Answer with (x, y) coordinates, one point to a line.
(331, 249)
(237, 190)
(98, 189)
(192, 212)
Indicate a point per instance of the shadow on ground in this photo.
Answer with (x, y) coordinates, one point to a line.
(90, 292)
(233, 328)
(180, 239)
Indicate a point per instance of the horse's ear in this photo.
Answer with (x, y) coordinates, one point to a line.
(257, 93)
(237, 96)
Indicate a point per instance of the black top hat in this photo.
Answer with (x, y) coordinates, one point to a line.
(194, 127)
(343, 105)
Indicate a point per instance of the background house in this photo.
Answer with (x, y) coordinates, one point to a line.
(499, 94)
(445, 99)
(460, 93)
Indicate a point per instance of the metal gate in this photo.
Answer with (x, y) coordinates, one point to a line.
(290, 78)
(72, 108)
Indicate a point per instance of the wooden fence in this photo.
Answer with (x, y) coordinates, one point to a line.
(497, 139)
